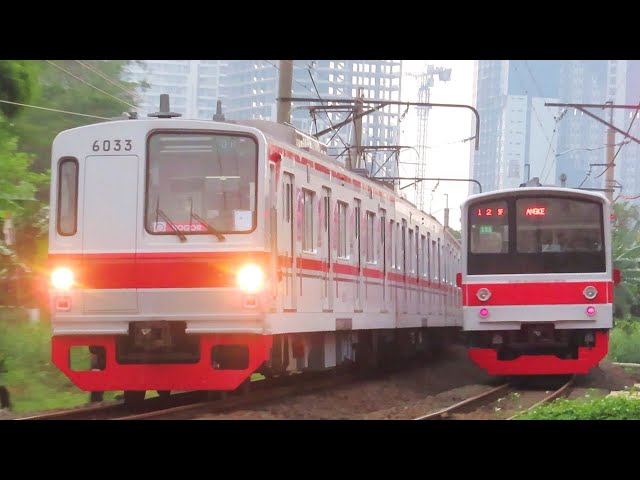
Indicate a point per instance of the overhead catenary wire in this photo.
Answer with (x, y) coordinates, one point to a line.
(54, 110)
(635, 114)
(99, 73)
(315, 94)
(92, 86)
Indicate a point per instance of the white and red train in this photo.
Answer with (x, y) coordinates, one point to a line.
(189, 254)
(537, 280)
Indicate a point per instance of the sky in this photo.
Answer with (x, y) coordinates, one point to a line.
(447, 155)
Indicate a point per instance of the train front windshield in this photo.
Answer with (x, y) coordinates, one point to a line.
(197, 179)
(532, 234)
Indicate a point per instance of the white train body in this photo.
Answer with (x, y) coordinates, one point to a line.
(286, 260)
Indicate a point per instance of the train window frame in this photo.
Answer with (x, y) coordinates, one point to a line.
(61, 163)
(211, 132)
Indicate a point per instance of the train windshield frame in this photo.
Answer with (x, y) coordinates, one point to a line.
(201, 175)
(529, 233)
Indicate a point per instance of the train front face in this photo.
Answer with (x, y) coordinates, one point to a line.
(158, 256)
(537, 280)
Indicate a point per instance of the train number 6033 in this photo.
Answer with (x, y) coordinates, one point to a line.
(111, 145)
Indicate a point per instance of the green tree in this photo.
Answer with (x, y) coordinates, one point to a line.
(626, 255)
(63, 87)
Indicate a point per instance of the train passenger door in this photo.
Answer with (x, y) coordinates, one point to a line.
(326, 253)
(109, 226)
(289, 254)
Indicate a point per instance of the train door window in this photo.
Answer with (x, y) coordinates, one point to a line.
(327, 210)
(398, 246)
(383, 239)
(425, 253)
(357, 231)
(307, 221)
(404, 246)
(489, 227)
(67, 196)
(286, 210)
(371, 252)
(342, 230)
(429, 256)
(418, 269)
(434, 260)
(439, 262)
(410, 265)
(392, 256)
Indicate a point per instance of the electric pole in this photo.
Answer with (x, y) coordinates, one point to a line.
(285, 82)
(609, 183)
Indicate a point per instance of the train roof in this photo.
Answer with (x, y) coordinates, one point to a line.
(537, 190)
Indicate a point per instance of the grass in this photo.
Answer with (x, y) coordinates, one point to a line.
(624, 345)
(33, 381)
(607, 408)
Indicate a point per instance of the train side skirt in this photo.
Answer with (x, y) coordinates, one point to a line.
(195, 376)
(588, 357)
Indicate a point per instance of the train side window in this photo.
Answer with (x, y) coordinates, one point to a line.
(307, 220)
(425, 254)
(434, 259)
(67, 212)
(342, 230)
(439, 262)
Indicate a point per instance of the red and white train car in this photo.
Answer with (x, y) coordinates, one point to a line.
(537, 280)
(189, 254)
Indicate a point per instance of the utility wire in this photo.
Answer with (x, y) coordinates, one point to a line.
(92, 86)
(53, 110)
(98, 72)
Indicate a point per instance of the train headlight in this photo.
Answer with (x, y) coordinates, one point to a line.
(591, 311)
(251, 278)
(62, 278)
(590, 292)
(483, 294)
(484, 313)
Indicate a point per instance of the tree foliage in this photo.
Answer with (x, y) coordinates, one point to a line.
(626, 255)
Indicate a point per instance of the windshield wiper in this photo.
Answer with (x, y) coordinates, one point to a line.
(182, 236)
(210, 228)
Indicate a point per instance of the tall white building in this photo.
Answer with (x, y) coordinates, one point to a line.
(193, 85)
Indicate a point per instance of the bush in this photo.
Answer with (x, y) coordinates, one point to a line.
(624, 344)
(608, 408)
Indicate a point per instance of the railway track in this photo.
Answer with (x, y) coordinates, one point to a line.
(487, 398)
(186, 405)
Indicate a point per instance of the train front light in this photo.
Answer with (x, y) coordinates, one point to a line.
(483, 294)
(62, 278)
(250, 278)
(590, 292)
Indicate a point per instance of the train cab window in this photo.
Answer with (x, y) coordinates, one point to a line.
(67, 217)
(199, 182)
(558, 225)
(489, 227)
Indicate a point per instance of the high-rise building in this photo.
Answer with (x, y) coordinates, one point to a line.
(193, 85)
(250, 90)
(521, 138)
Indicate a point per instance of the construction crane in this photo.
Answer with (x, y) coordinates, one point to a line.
(425, 82)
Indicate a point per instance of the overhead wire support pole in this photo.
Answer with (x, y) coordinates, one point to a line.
(416, 180)
(382, 104)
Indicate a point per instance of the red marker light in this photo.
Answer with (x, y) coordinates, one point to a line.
(500, 212)
(484, 312)
(535, 211)
(591, 311)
